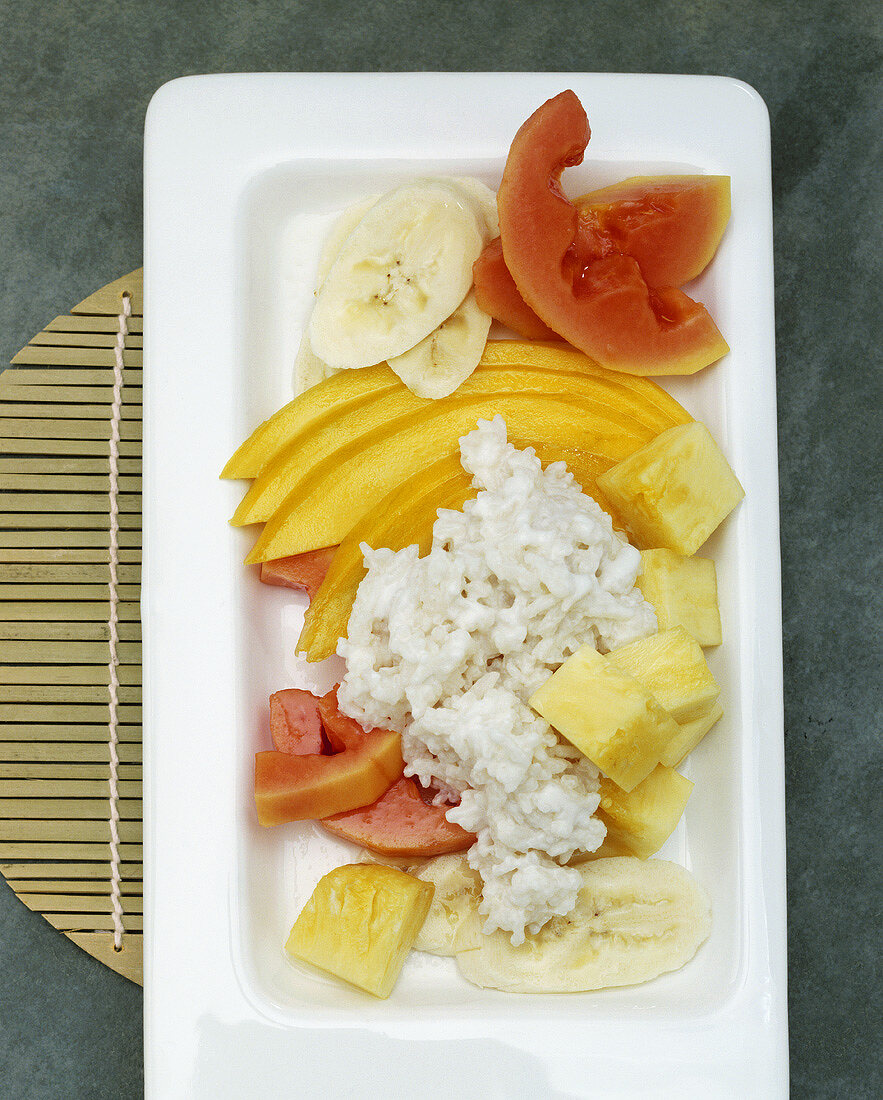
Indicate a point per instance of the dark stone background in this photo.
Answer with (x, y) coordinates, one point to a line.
(75, 79)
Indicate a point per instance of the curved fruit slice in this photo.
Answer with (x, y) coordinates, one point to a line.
(672, 225)
(452, 923)
(299, 788)
(320, 402)
(448, 355)
(405, 267)
(303, 572)
(634, 919)
(497, 294)
(601, 390)
(295, 725)
(360, 923)
(596, 301)
(400, 823)
(404, 517)
(332, 497)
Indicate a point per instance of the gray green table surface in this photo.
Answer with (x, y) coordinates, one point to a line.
(75, 80)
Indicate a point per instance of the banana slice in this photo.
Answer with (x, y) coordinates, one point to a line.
(308, 367)
(341, 229)
(403, 270)
(452, 923)
(448, 355)
(484, 198)
(634, 919)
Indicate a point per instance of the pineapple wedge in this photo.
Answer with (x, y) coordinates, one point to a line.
(672, 667)
(639, 822)
(360, 923)
(683, 592)
(691, 734)
(674, 491)
(608, 715)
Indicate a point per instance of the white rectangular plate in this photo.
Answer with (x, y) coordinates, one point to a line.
(242, 176)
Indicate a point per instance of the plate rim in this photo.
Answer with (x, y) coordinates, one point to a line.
(169, 115)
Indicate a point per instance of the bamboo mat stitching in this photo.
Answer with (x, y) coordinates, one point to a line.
(113, 661)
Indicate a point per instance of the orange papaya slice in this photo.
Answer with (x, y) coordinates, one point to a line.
(401, 823)
(591, 295)
(303, 572)
(295, 725)
(299, 788)
(497, 294)
(670, 225)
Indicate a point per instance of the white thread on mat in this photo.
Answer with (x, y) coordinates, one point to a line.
(113, 599)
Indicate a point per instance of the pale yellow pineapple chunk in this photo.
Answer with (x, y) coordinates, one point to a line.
(683, 592)
(360, 924)
(640, 821)
(608, 715)
(675, 490)
(690, 735)
(672, 667)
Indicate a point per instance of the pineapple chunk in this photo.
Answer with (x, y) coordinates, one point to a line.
(639, 822)
(672, 667)
(608, 715)
(691, 734)
(682, 592)
(360, 924)
(675, 490)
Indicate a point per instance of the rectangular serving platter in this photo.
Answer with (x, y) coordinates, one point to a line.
(243, 176)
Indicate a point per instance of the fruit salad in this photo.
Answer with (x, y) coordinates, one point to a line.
(498, 532)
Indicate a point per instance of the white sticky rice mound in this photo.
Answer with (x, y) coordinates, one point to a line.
(448, 649)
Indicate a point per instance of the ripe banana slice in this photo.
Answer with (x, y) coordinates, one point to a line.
(341, 229)
(634, 919)
(448, 355)
(308, 367)
(452, 923)
(403, 270)
(484, 198)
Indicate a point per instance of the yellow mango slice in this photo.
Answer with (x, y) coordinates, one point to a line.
(334, 496)
(364, 421)
(360, 923)
(312, 407)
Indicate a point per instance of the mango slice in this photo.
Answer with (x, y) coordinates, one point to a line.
(330, 498)
(312, 407)
(367, 420)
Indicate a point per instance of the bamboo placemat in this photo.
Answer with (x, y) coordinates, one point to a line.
(56, 834)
